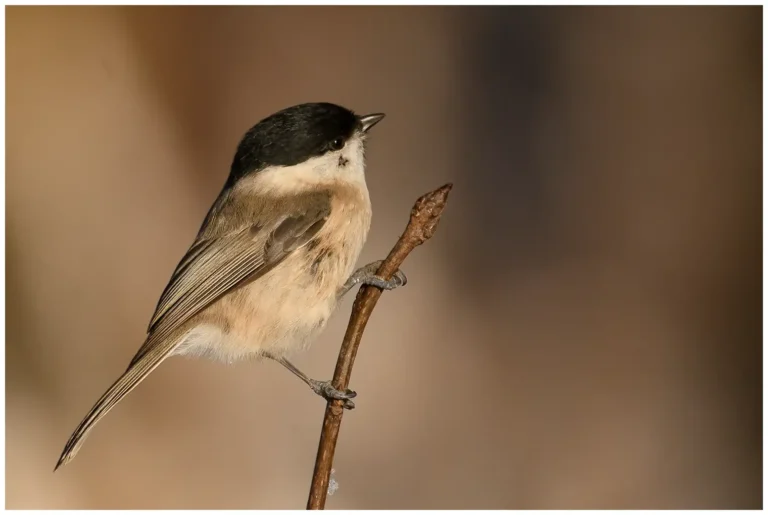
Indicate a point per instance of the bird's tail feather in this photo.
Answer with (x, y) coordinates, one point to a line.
(122, 387)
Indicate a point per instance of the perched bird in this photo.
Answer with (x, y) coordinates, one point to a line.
(275, 253)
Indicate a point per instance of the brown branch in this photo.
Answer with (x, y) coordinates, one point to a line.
(425, 215)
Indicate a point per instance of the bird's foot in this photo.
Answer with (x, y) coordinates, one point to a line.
(367, 275)
(326, 390)
(397, 280)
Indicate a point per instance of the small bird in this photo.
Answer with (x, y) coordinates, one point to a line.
(275, 253)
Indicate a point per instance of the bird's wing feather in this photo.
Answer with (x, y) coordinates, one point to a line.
(212, 268)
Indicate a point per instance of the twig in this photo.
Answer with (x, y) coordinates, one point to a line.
(425, 215)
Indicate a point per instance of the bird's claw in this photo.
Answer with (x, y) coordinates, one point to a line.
(326, 390)
(397, 280)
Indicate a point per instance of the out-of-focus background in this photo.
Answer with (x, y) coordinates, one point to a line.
(583, 332)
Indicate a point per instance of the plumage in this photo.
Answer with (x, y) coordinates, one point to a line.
(263, 273)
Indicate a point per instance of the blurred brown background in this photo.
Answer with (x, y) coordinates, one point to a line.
(583, 332)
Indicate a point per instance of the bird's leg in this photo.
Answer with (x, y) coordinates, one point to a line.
(322, 388)
(367, 275)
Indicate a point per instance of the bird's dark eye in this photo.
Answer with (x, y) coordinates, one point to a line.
(337, 144)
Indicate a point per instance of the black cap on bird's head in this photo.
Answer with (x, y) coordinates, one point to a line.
(296, 134)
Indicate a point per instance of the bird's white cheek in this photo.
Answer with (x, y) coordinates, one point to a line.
(353, 160)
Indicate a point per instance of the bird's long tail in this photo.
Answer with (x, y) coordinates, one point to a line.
(135, 374)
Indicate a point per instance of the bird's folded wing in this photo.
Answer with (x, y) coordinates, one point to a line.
(211, 268)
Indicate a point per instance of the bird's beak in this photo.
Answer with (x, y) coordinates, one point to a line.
(369, 120)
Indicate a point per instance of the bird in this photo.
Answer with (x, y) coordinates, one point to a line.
(273, 256)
